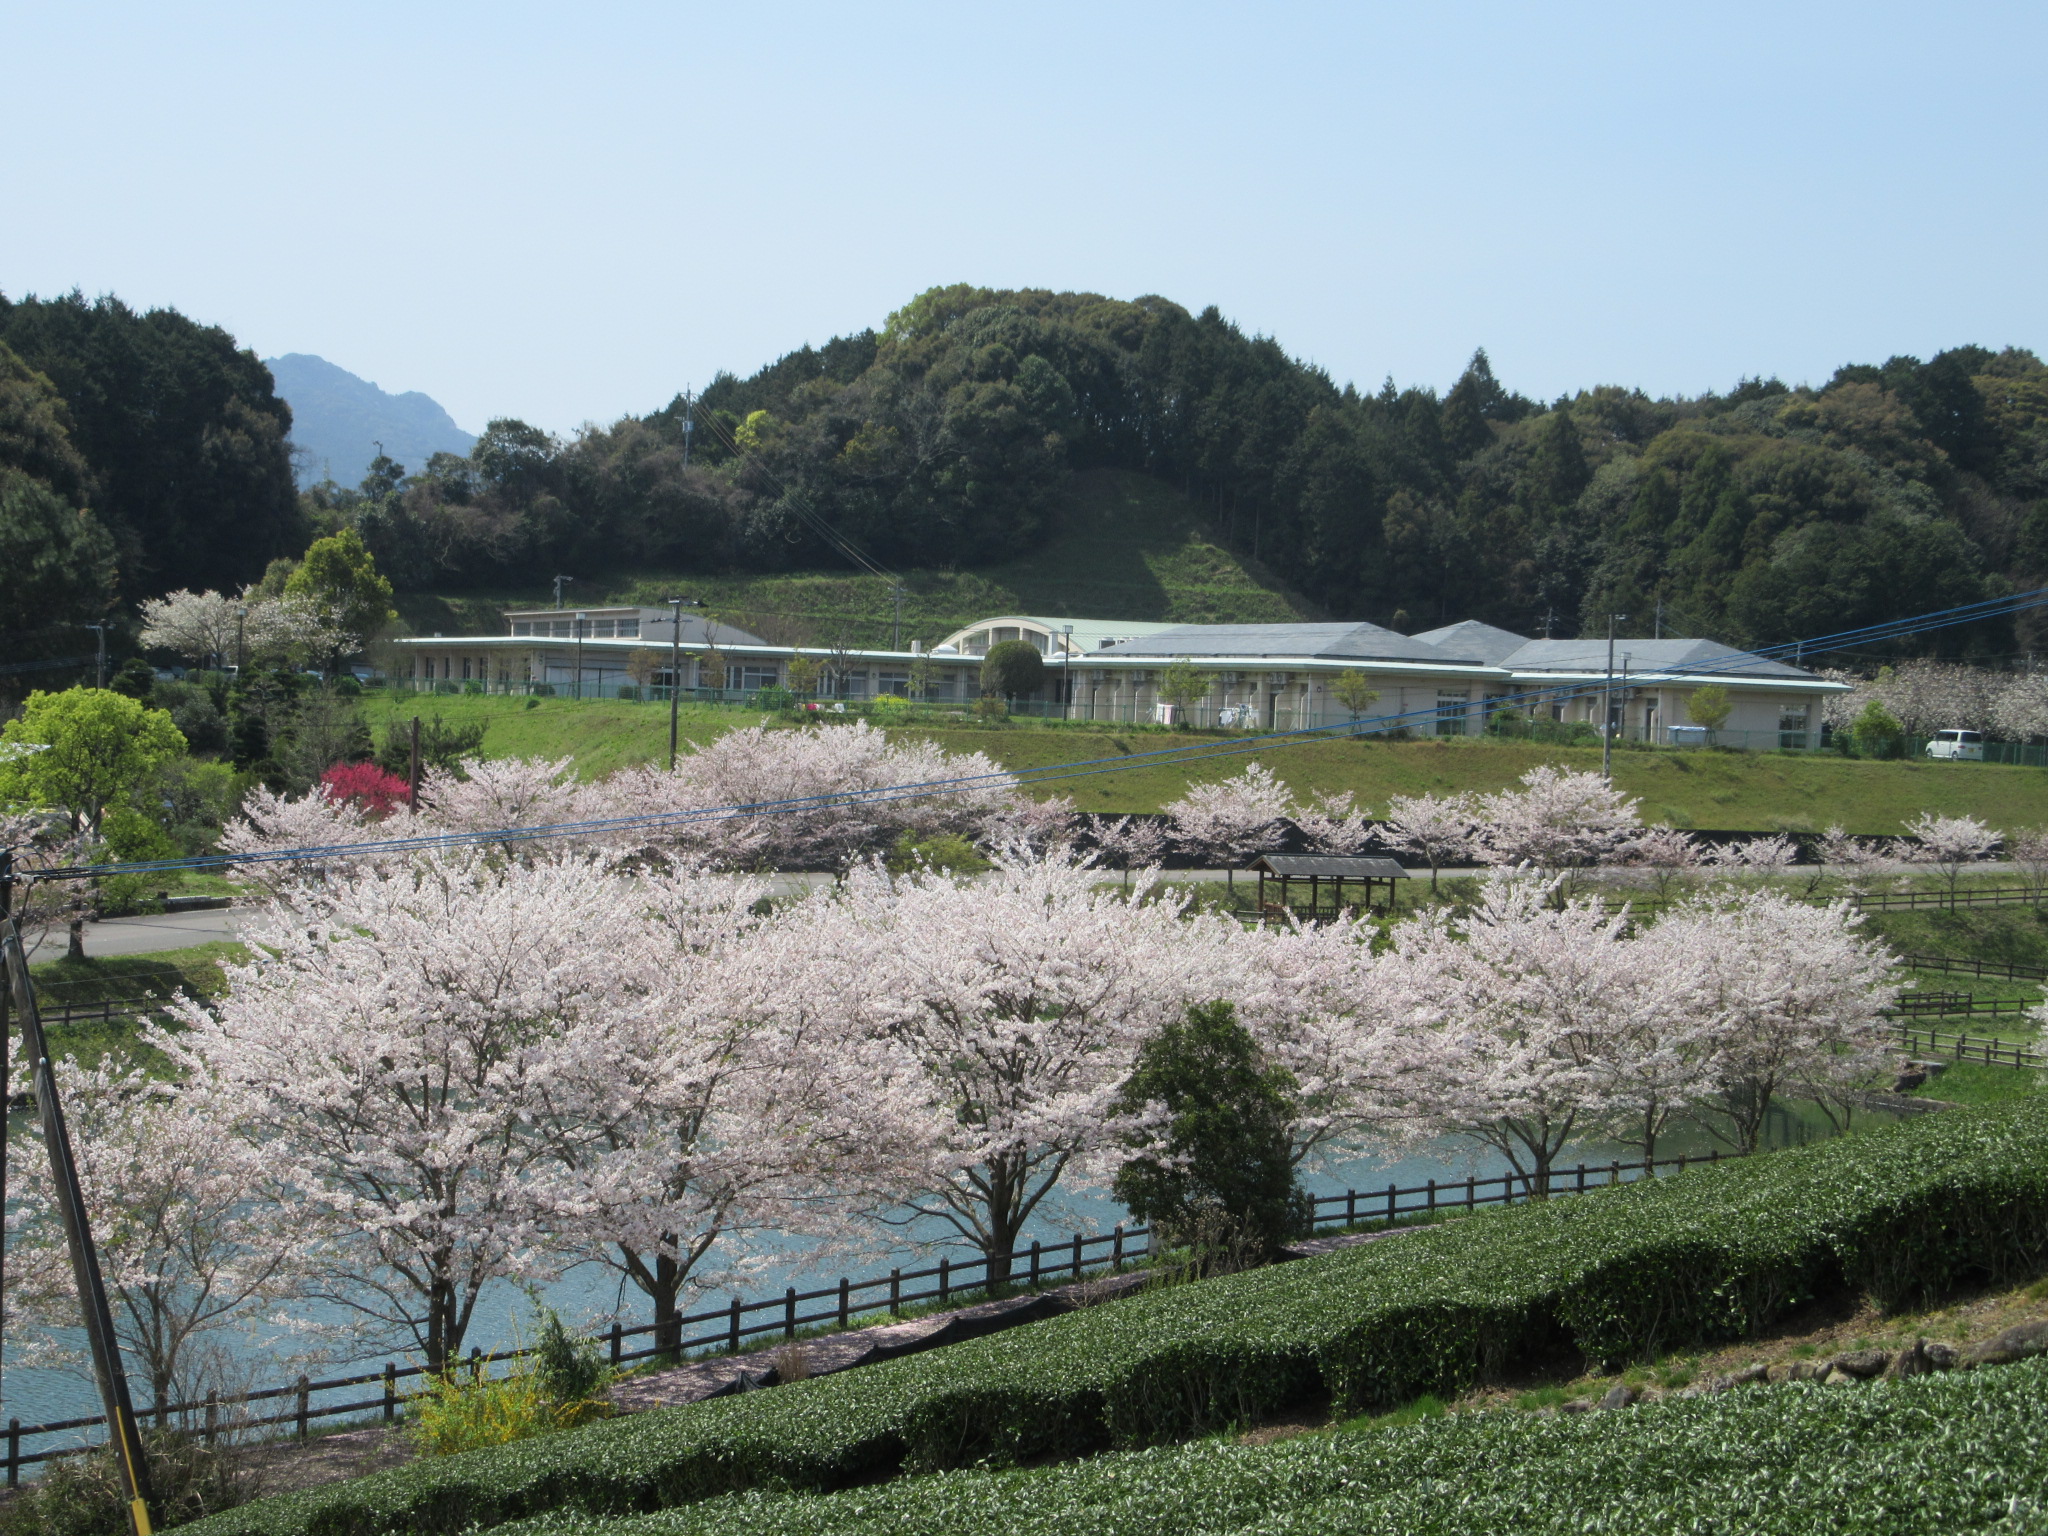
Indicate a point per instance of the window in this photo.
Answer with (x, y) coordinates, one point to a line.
(629, 629)
(757, 676)
(560, 626)
(465, 669)
(1792, 717)
(601, 629)
(1450, 714)
(522, 627)
(897, 683)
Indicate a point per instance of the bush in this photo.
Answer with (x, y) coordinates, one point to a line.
(947, 852)
(629, 692)
(1924, 1457)
(1011, 669)
(1219, 1171)
(1907, 1213)
(1877, 733)
(775, 698)
(87, 1495)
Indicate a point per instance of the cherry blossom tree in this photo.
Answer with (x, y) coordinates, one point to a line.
(1793, 995)
(1667, 855)
(1232, 820)
(1126, 842)
(1332, 823)
(492, 793)
(272, 826)
(186, 1254)
(200, 626)
(2027, 847)
(1755, 855)
(1512, 1019)
(1559, 820)
(395, 1036)
(1949, 843)
(1433, 828)
(1000, 1018)
(2020, 712)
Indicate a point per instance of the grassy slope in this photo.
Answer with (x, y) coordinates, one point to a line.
(1718, 790)
(1125, 546)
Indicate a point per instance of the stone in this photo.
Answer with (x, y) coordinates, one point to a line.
(1576, 1405)
(1747, 1376)
(1921, 1359)
(1798, 1370)
(2022, 1341)
(1863, 1364)
(1837, 1377)
(1906, 1082)
(1620, 1395)
(1943, 1357)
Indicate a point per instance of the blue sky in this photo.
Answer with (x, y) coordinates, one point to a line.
(569, 212)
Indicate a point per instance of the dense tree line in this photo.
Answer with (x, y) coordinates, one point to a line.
(944, 440)
(169, 437)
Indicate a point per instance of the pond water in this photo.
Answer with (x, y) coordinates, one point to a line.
(591, 1296)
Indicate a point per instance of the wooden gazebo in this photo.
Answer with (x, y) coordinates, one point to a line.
(1323, 871)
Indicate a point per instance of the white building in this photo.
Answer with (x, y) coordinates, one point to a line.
(1261, 676)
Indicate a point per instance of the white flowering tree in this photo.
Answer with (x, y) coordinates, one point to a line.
(1512, 1020)
(1000, 1018)
(395, 1037)
(1234, 819)
(1950, 843)
(1793, 995)
(1126, 842)
(1558, 820)
(1667, 856)
(1434, 828)
(186, 1254)
(200, 626)
(1333, 823)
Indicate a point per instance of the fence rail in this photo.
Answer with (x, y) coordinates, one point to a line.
(728, 1327)
(1993, 969)
(1955, 1005)
(1999, 1053)
(1966, 896)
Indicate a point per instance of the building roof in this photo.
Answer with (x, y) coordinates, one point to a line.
(1328, 866)
(1089, 634)
(1473, 641)
(1343, 640)
(1677, 656)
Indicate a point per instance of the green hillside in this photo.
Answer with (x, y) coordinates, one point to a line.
(1127, 546)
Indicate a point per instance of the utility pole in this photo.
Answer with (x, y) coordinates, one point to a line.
(577, 629)
(1066, 672)
(1657, 632)
(559, 580)
(99, 673)
(675, 669)
(896, 634)
(412, 772)
(689, 429)
(85, 1261)
(1549, 619)
(1607, 706)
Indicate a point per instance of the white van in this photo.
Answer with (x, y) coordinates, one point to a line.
(1957, 746)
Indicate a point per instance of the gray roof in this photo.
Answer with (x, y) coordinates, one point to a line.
(1644, 656)
(1343, 640)
(1328, 866)
(1474, 641)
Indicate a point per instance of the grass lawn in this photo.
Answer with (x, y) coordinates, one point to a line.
(157, 974)
(1722, 791)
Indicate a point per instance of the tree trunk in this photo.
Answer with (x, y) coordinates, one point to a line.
(668, 1329)
(76, 949)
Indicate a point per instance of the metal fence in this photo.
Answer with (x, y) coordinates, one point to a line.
(728, 1328)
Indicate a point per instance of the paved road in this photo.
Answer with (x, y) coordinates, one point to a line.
(144, 935)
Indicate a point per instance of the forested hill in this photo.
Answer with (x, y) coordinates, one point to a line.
(945, 439)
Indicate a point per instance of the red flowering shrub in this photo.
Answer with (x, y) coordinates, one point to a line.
(366, 785)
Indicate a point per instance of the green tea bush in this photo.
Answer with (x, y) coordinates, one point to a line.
(1932, 1455)
(1907, 1212)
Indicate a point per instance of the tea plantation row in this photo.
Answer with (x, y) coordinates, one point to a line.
(1935, 1454)
(1906, 1214)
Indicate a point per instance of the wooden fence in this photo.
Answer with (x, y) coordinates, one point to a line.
(1993, 969)
(728, 1328)
(1930, 1043)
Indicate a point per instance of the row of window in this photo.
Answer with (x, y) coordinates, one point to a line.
(568, 629)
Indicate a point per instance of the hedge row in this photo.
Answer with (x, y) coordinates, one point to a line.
(1937, 1454)
(1907, 1213)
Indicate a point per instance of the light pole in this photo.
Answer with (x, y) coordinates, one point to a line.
(559, 580)
(241, 649)
(576, 628)
(1066, 672)
(675, 668)
(1607, 706)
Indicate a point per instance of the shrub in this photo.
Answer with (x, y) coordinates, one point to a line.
(1012, 668)
(947, 852)
(1219, 1167)
(87, 1495)
(775, 698)
(1908, 1212)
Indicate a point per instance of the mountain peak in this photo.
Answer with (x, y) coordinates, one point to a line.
(339, 418)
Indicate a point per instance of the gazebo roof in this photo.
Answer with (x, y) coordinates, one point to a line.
(1327, 866)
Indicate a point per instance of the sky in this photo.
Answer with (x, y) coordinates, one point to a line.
(566, 213)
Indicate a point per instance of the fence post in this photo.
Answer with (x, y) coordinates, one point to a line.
(212, 1421)
(1582, 1178)
(14, 1453)
(1390, 1204)
(1681, 1162)
(733, 1337)
(1470, 1201)
(1432, 1196)
(789, 1312)
(1077, 1255)
(895, 1293)
(945, 1279)
(1116, 1251)
(1034, 1263)
(1614, 1173)
(842, 1301)
(305, 1392)
(390, 1391)
(1350, 1206)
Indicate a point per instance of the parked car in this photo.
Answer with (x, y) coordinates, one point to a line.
(1957, 746)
